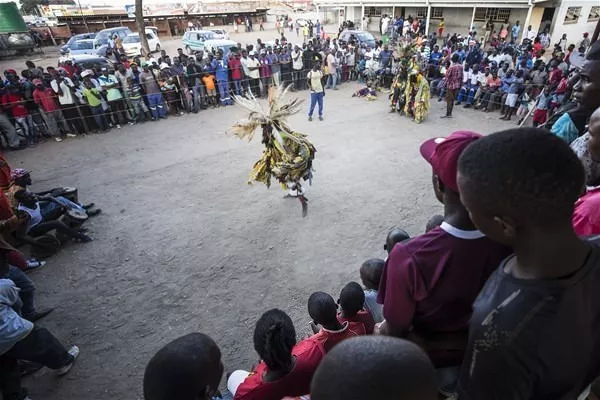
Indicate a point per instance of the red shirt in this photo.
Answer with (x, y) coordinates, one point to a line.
(586, 218)
(430, 282)
(235, 66)
(309, 354)
(46, 99)
(18, 110)
(454, 76)
(363, 317)
(537, 47)
(330, 338)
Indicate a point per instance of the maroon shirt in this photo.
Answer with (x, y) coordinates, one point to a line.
(430, 282)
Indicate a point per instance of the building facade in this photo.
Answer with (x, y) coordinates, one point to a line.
(573, 17)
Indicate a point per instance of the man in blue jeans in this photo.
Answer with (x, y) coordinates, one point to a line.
(152, 90)
(316, 90)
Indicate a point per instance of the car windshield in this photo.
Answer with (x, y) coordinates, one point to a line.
(365, 36)
(82, 45)
(132, 39)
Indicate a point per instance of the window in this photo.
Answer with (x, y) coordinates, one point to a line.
(495, 14)
(572, 15)
(422, 12)
(373, 12)
(149, 36)
(437, 12)
(594, 14)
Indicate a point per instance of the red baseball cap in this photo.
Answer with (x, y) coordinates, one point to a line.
(443, 154)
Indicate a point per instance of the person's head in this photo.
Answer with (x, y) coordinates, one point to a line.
(129, 80)
(509, 73)
(519, 73)
(352, 299)
(189, 368)
(541, 67)
(252, 54)
(322, 309)
(38, 83)
(20, 177)
(134, 67)
(370, 273)
(594, 141)
(455, 58)
(395, 235)
(121, 68)
(475, 68)
(374, 367)
(564, 36)
(517, 23)
(442, 154)
(587, 90)
(571, 47)
(274, 338)
(316, 66)
(519, 182)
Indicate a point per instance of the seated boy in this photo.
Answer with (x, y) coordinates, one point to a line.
(430, 281)
(352, 300)
(22, 340)
(534, 333)
(323, 310)
(375, 367)
(370, 275)
(189, 367)
(286, 367)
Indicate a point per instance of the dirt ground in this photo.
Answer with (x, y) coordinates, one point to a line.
(184, 244)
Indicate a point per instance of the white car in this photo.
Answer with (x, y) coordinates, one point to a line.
(133, 45)
(220, 34)
(83, 46)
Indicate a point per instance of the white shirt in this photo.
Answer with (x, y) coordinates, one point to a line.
(244, 62)
(35, 215)
(65, 85)
(531, 34)
(253, 74)
(297, 60)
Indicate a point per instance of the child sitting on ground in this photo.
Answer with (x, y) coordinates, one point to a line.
(370, 275)
(352, 301)
(286, 368)
(375, 367)
(323, 310)
(189, 367)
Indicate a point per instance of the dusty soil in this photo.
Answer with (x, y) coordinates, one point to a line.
(184, 244)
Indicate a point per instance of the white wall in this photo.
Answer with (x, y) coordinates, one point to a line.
(574, 31)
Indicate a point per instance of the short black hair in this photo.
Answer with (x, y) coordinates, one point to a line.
(395, 235)
(182, 368)
(526, 173)
(352, 299)
(374, 367)
(322, 308)
(455, 58)
(372, 268)
(274, 339)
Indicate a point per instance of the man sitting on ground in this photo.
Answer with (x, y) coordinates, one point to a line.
(534, 332)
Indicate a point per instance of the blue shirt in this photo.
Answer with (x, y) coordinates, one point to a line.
(515, 30)
(221, 70)
(565, 128)
(435, 57)
(13, 328)
(516, 86)
(507, 82)
(385, 57)
(461, 55)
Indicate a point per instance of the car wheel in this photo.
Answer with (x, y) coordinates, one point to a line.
(158, 48)
(188, 49)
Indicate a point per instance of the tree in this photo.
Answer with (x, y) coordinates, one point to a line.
(139, 21)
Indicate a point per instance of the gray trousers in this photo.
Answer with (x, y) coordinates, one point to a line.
(9, 131)
(53, 118)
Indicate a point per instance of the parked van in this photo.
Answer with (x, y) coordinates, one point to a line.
(194, 40)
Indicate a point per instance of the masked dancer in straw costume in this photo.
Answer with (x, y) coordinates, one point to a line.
(288, 155)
